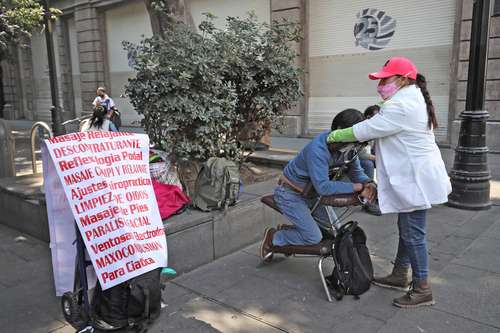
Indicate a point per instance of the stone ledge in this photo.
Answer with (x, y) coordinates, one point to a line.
(26, 215)
(209, 236)
(194, 238)
(272, 157)
(23, 187)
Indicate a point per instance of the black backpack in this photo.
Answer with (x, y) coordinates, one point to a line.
(353, 270)
(133, 304)
(116, 118)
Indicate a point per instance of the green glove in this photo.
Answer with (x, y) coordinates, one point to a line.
(342, 135)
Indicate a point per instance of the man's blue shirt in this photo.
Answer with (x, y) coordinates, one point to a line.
(312, 163)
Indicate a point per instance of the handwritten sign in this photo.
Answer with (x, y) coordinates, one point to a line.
(105, 177)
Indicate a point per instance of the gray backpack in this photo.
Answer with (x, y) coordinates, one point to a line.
(217, 185)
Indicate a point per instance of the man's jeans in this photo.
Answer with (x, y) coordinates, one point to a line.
(412, 248)
(368, 167)
(298, 211)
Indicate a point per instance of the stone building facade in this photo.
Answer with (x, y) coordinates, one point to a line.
(492, 98)
(89, 54)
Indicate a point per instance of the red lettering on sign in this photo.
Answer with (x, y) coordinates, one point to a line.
(138, 208)
(135, 265)
(110, 276)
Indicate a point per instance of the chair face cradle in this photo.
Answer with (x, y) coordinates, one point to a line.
(326, 247)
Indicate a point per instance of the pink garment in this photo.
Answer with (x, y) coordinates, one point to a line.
(170, 199)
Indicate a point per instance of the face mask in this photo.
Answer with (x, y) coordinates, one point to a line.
(387, 90)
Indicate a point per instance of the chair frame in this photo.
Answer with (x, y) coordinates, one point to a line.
(335, 221)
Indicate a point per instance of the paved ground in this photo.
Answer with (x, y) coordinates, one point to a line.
(238, 294)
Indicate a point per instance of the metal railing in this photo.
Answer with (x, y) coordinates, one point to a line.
(75, 125)
(40, 126)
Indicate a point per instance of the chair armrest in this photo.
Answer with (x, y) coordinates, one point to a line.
(341, 200)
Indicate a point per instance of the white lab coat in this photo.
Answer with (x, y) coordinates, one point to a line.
(410, 170)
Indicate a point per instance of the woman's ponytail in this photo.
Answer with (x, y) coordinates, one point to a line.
(422, 84)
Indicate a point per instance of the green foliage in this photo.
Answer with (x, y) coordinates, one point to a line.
(204, 95)
(18, 19)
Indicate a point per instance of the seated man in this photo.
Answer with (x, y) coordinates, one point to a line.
(312, 164)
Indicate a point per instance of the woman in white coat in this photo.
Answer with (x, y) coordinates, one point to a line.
(411, 174)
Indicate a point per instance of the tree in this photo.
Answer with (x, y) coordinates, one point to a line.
(18, 19)
(205, 95)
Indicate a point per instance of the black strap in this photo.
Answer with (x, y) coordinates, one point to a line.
(348, 227)
(141, 325)
(146, 303)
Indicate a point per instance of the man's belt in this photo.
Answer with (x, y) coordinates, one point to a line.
(283, 181)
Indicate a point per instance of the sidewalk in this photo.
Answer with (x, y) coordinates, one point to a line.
(238, 294)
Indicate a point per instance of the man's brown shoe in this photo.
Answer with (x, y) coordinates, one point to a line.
(398, 279)
(267, 245)
(420, 294)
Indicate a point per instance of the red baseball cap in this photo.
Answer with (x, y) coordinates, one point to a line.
(396, 66)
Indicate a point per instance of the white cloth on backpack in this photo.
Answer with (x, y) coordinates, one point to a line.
(164, 171)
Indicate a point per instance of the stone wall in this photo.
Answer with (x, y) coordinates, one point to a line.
(9, 70)
(26, 79)
(14, 107)
(295, 11)
(91, 53)
(492, 98)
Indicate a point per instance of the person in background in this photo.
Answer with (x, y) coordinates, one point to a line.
(411, 174)
(107, 102)
(367, 161)
(104, 100)
(312, 164)
(99, 121)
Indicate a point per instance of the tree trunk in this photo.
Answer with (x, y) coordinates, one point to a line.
(154, 17)
(175, 11)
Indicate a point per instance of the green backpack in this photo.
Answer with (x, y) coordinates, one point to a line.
(217, 185)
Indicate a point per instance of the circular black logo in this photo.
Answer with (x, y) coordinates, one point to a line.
(373, 29)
